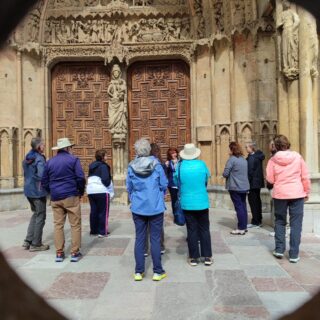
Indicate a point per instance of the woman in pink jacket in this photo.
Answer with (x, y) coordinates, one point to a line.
(288, 174)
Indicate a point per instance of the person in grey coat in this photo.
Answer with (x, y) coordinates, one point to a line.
(237, 183)
(33, 167)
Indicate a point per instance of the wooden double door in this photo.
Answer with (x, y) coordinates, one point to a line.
(158, 106)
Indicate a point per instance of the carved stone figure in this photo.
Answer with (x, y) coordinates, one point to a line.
(238, 12)
(199, 19)
(33, 28)
(288, 23)
(218, 15)
(314, 49)
(117, 110)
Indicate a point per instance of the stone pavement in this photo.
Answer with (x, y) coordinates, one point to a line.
(245, 282)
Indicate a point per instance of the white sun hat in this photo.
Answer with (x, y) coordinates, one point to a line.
(63, 143)
(190, 152)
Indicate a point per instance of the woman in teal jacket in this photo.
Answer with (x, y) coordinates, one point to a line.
(191, 177)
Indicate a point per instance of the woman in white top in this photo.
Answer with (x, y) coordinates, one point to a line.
(99, 190)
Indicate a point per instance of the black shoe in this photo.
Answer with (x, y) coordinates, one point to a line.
(193, 262)
(26, 245)
(208, 261)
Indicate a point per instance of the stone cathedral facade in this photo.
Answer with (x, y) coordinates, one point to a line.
(107, 72)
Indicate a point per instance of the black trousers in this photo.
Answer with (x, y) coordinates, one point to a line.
(99, 213)
(255, 205)
(174, 196)
(198, 228)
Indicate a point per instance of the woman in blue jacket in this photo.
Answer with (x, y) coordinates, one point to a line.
(191, 177)
(146, 185)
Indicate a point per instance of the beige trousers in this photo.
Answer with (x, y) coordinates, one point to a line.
(61, 208)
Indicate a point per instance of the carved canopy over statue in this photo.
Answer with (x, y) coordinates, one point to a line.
(117, 110)
(289, 22)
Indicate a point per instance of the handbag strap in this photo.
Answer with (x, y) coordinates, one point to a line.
(179, 179)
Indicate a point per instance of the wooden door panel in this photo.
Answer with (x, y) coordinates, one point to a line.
(80, 109)
(159, 104)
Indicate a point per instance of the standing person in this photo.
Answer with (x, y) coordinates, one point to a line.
(237, 183)
(98, 190)
(146, 184)
(156, 154)
(289, 175)
(33, 166)
(171, 164)
(64, 179)
(256, 181)
(192, 177)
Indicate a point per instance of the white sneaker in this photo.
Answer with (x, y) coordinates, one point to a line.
(294, 260)
(253, 226)
(272, 234)
(163, 251)
(277, 254)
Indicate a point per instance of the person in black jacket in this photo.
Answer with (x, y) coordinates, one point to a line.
(98, 189)
(256, 180)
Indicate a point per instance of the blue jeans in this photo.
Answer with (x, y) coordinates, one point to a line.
(296, 216)
(240, 205)
(155, 225)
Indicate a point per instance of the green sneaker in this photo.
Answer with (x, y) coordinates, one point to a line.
(159, 277)
(138, 276)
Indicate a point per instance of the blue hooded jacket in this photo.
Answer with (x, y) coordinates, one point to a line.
(146, 185)
(33, 167)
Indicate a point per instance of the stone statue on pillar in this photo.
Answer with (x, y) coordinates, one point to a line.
(118, 122)
(117, 110)
(288, 23)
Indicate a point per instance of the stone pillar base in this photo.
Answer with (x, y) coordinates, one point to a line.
(19, 182)
(311, 220)
(121, 195)
(6, 183)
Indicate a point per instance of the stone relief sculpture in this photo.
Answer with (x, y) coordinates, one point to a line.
(288, 24)
(33, 28)
(117, 110)
(199, 19)
(218, 15)
(98, 30)
(238, 13)
(314, 49)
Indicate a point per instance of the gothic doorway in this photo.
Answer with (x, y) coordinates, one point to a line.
(80, 108)
(159, 104)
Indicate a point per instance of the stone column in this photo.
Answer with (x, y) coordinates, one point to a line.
(20, 142)
(308, 53)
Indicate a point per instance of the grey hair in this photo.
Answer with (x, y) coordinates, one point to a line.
(252, 144)
(142, 147)
(36, 142)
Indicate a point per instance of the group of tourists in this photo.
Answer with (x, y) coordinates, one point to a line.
(148, 179)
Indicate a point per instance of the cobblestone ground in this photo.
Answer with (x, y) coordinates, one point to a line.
(245, 282)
